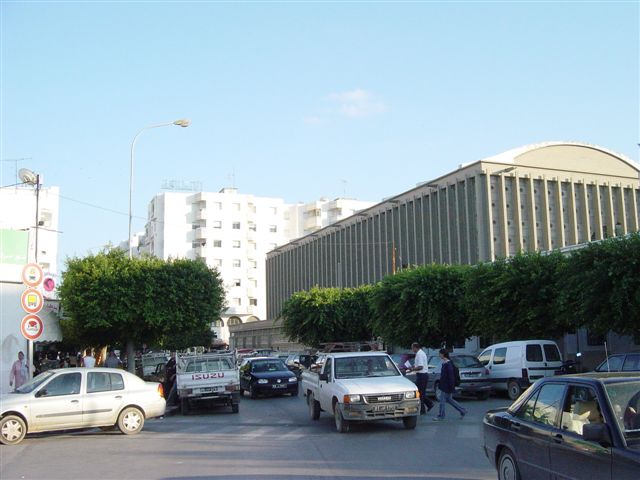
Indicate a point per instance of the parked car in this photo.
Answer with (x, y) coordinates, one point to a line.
(622, 362)
(70, 398)
(573, 426)
(474, 377)
(267, 376)
(513, 366)
(298, 362)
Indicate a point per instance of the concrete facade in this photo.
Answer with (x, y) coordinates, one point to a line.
(538, 197)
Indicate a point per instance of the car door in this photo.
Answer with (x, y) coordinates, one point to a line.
(571, 456)
(58, 403)
(532, 427)
(498, 367)
(324, 387)
(104, 398)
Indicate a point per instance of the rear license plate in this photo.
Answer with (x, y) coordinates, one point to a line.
(278, 386)
(384, 408)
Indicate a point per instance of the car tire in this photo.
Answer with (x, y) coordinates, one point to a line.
(235, 407)
(508, 466)
(12, 430)
(130, 421)
(342, 425)
(314, 407)
(253, 392)
(513, 390)
(409, 422)
(184, 406)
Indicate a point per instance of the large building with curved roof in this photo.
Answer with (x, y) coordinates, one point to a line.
(538, 197)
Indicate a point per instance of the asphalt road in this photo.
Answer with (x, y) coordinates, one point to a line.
(271, 438)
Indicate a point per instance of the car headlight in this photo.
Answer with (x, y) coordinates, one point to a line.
(410, 394)
(263, 380)
(292, 379)
(352, 398)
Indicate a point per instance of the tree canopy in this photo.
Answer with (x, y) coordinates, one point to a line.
(108, 298)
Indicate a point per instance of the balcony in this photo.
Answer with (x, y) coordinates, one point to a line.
(199, 234)
(199, 214)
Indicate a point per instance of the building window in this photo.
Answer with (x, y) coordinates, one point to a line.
(236, 225)
(236, 244)
(273, 228)
(252, 226)
(217, 224)
(253, 264)
(236, 302)
(217, 262)
(236, 282)
(217, 243)
(253, 301)
(234, 321)
(236, 263)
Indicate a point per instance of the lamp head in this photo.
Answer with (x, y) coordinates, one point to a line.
(183, 122)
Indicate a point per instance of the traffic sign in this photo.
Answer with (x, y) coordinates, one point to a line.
(31, 327)
(31, 300)
(32, 275)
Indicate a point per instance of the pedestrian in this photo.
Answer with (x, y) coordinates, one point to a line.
(422, 377)
(170, 370)
(88, 360)
(447, 386)
(19, 372)
(112, 360)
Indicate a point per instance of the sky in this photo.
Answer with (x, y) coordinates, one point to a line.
(298, 100)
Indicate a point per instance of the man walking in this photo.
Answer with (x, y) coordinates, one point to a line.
(447, 386)
(422, 377)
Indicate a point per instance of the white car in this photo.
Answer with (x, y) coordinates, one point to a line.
(79, 398)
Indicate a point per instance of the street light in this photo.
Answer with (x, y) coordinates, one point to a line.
(180, 123)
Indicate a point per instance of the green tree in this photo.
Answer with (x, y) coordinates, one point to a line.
(517, 297)
(110, 299)
(601, 288)
(323, 315)
(422, 304)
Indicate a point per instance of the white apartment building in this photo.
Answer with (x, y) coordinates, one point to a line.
(233, 232)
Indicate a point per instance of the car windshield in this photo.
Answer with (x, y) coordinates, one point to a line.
(275, 365)
(466, 361)
(204, 365)
(625, 401)
(365, 367)
(34, 383)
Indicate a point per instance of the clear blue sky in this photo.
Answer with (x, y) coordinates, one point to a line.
(294, 98)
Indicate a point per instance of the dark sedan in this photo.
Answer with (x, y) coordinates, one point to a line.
(267, 376)
(573, 426)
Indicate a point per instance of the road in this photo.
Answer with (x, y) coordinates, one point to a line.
(271, 438)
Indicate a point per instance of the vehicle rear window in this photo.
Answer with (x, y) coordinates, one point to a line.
(551, 353)
(466, 361)
(612, 364)
(204, 365)
(534, 353)
(499, 356)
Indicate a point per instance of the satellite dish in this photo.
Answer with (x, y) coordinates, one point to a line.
(27, 176)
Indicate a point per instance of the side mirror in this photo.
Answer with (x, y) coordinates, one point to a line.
(324, 377)
(597, 432)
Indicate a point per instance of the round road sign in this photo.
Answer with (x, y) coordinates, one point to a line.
(32, 300)
(31, 327)
(32, 275)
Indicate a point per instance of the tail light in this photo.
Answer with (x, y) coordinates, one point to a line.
(160, 390)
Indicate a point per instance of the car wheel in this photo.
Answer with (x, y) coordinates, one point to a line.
(342, 425)
(12, 430)
(409, 422)
(130, 421)
(508, 466)
(184, 406)
(235, 407)
(314, 407)
(253, 392)
(513, 390)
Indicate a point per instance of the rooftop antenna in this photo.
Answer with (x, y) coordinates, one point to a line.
(15, 161)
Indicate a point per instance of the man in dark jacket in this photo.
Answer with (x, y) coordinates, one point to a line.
(447, 386)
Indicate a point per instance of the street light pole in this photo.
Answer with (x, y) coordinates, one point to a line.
(181, 123)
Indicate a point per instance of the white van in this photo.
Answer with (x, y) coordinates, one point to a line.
(513, 366)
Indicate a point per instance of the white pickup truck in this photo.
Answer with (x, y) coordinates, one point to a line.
(360, 387)
(210, 377)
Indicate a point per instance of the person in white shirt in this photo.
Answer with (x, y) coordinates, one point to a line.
(88, 360)
(422, 377)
